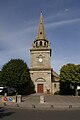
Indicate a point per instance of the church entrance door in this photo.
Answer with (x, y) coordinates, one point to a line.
(40, 88)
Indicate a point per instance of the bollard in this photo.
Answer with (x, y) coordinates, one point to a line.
(19, 98)
(70, 106)
(33, 106)
(52, 106)
(17, 105)
(42, 99)
(5, 94)
(5, 104)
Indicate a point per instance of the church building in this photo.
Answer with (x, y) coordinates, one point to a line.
(44, 78)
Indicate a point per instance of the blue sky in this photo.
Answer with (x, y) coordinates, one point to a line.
(19, 21)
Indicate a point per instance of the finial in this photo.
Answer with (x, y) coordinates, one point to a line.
(41, 12)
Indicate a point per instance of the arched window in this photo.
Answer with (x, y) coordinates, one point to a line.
(45, 43)
(36, 43)
(40, 43)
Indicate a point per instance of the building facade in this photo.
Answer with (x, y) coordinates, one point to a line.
(40, 62)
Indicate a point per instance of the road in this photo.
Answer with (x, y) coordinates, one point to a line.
(27, 114)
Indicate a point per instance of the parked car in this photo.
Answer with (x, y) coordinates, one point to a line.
(8, 90)
(1, 89)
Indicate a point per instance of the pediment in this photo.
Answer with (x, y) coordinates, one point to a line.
(40, 80)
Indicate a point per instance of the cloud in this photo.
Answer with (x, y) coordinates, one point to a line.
(57, 63)
(16, 44)
(22, 53)
(67, 9)
(64, 22)
(16, 39)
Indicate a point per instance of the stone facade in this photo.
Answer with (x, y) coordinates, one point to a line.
(42, 77)
(55, 82)
(40, 64)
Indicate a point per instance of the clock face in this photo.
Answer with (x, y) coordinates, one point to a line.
(40, 59)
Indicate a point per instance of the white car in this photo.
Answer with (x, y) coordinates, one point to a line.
(1, 89)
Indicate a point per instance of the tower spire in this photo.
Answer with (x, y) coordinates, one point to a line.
(41, 32)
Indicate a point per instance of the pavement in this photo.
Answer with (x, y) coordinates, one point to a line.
(46, 101)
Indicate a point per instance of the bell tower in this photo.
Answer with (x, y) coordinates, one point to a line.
(40, 63)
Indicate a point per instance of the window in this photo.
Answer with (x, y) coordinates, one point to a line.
(36, 43)
(55, 85)
(45, 43)
(40, 43)
(41, 33)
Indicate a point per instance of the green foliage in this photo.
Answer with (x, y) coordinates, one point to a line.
(15, 73)
(78, 72)
(69, 76)
(57, 93)
(68, 73)
(0, 77)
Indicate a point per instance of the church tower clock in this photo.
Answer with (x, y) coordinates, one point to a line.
(40, 63)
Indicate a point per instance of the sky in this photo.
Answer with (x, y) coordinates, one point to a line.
(19, 21)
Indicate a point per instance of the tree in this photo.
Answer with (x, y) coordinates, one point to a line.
(0, 77)
(15, 73)
(69, 76)
(78, 73)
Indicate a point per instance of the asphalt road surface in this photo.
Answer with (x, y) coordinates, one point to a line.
(27, 114)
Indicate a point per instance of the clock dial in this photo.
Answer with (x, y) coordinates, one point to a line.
(40, 59)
